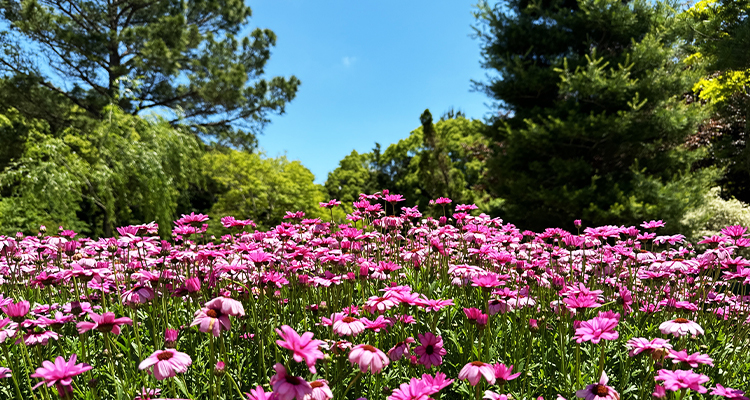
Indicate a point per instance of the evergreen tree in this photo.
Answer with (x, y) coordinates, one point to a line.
(187, 57)
(592, 120)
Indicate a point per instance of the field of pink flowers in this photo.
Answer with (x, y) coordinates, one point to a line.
(396, 307)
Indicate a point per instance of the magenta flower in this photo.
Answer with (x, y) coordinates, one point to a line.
(60, 374)
(5, 373)
(8, 329)
(288, 387)
(416, 389)
(103, 323)
(431, 351)
(490, 395)
(599, 391)
(368, 357)
(475, 370)
(504, 374)
(680, 327)
(166, 363)
(400, 349)
(594, 330)
(302, 347)
(17, 311)
(211, 320)
(681, 379)
(728, 393)
(692, 360)
(227, 306)
(259, 394)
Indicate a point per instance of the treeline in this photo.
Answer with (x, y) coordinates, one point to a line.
(610, 111)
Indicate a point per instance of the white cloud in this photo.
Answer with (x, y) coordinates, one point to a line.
(348, 61)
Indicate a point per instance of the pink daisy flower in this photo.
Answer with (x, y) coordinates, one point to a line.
(103, 323)
(368, 357)
(654, 347)
(320, 391)
(681, 379)
(348, 326)
(8, 329)
(60, 374)
(288, 387)
(259, 394)
(680, 327)
(728, 393)
(302, 347)
(166, 363)
(490, 395)
(599, 391)
(400, 349)
(692, 360)
(504, 374)
(227, 306)
(475, 370)
(380, 304)
(594, 330)
(5, 373)
(431, 351)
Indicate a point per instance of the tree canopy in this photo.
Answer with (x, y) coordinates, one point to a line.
(189, 59)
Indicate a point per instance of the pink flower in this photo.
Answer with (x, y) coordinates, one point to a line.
(60, 374)
(504, 374)
(599, 391)
(378, 324)
(348, 326)
(692, 360)
(8, 329)
(659, 392)
(17, 311)
(211, 320)
(227, 306)
(166, 363)
(431, 351)
(288, 387)
(594, 330)
(490, 395)
(103, 323)
(728, 393)
(302, 347)
(259, 394)
(5, 373)
(416, 389)
(436, 305)
(475, 370)
(400, 349)
(655, 347)
(320, 391)
(680, 327)
(380, 304)
(367, 356)
(681, 379)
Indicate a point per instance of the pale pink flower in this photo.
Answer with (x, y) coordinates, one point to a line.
(103, 323)
(599, 391)
(656, 347)
(680, 327)
(166, 363)
(8, 329)
(227, 306)
(490, 395)
(475, 370)
(368, 357)
(348, 326)
(320, 391)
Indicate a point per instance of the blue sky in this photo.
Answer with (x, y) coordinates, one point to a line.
(368, 70)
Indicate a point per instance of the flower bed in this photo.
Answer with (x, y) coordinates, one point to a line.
(386, 307)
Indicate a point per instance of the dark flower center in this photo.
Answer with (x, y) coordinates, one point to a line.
(370, 348)
(600, 390)
(212, 313)
(105, 328)
(348, 320)
(316, 384)
(681, 321)
(164, 356)
(292, 380)
(429, 349)
(477, 363)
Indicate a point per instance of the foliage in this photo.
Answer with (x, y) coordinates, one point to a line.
(190, 58)
(717, 33)
(446, 162)
(596, 119)
(716, 213)
(97, 174)
(255, 187)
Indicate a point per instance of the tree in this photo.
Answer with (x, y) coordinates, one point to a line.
(184, 57)
(718, 36)
(446, 161)
(97, 174)
(262, 189)
(593, 117)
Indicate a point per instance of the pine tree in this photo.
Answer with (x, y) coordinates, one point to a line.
(186, 57)
(592, 119)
